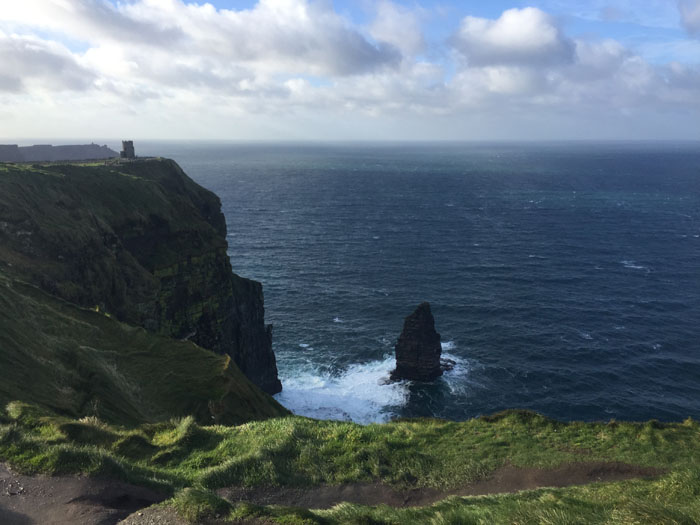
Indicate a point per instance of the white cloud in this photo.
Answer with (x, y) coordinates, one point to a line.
(519, 36)
(299, 69)
(690, 15)
(29, 63)
(293, 36)
(399, 26)
(89, 20)
(598, 59)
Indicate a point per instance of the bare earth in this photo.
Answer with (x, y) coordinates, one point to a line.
(67, 500)
(505, 479)
(44, 500)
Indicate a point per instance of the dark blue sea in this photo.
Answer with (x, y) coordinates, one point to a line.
(564, 278)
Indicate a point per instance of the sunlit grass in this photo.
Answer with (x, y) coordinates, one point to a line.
(295, 451)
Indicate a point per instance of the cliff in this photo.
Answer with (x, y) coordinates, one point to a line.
(142, 242)
(77, 362)
(47, 152)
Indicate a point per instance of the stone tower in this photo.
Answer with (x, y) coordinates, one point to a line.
(127, 150)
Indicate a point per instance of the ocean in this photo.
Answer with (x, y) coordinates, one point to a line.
(564, 278)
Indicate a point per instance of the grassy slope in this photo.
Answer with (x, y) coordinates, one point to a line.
(80, 362)
(301, 452)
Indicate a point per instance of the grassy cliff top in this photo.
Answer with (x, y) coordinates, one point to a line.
(52, 212)
(194, 462)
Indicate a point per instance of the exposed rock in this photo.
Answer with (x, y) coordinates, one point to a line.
(418, 348)
(142, 242)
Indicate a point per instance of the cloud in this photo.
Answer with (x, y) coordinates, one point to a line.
(31, 63)
(185, 68)
(398, 26)
(598, 59)
(293, 36)
(518, 37)
(690, 15)
(90, 21)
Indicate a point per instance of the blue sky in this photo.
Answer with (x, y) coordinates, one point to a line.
(344, 70)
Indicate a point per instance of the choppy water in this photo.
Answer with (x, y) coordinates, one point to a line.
(563, 278)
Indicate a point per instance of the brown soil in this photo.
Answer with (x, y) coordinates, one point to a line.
(27, 500)
(161, 515)
(155, 516)
(505, 479)
(44, 500)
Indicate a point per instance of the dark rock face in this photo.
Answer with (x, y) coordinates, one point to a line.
(418, 348)
(144, 243)
(252, 337)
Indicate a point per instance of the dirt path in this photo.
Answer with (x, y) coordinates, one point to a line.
(505, 479)
(43, 500)
(26, 500)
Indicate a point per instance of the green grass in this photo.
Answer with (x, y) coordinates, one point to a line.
(191, 461)
(79, 362)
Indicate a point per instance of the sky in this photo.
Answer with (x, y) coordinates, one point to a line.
(339, 70)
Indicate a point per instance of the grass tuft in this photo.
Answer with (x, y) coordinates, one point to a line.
(196, 505)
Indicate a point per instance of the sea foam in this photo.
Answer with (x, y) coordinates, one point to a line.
(360, 393)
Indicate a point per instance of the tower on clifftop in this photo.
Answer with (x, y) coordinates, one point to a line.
(127, 151)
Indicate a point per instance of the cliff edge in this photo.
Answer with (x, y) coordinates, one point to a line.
(141, 242)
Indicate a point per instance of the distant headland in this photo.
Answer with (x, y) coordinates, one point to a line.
(50, 153)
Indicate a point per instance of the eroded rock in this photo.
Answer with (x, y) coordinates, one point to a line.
(418, 347)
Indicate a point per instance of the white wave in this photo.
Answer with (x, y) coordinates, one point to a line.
(585, 335)
(632, 265)
(338, 320)
(360, 393)
(455, 377)
(304, 345)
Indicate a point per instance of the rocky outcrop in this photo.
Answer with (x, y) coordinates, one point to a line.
(418, 348)
(142, 242)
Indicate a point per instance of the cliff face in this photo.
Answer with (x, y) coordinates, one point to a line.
(78, 362)
(144, 243)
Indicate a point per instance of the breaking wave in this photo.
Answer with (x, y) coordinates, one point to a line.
(360, 393)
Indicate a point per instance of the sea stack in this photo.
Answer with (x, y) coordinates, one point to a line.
(418, 348)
